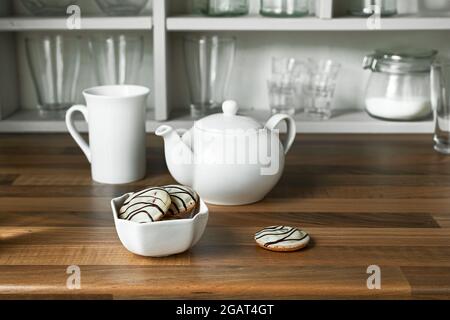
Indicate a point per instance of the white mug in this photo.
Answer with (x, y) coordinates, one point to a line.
(116, 121)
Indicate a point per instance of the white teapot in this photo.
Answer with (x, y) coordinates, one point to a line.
(227, 158)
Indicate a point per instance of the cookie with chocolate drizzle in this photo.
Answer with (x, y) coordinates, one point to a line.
(184, 201)
(282, 238)
(145, 206)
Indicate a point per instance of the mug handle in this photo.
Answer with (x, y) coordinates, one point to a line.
(73, 131)
(291, 129)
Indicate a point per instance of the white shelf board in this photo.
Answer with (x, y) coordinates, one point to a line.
(361, 122)
(27, 121)
(352, 122)
(87, 23)
(260, 23)
(30, 121)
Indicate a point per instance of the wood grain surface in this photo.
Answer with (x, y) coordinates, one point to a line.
(364, 199)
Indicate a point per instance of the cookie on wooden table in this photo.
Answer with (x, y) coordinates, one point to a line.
(282, 238)
(148, 205)
(183, 199)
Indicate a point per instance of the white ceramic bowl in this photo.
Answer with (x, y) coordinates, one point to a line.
(161, 238)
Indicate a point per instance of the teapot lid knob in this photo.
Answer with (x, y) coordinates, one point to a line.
(230, 108)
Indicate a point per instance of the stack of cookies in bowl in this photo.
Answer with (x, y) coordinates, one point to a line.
(159, 204)
(160, 221)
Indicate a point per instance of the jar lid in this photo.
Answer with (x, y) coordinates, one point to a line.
(400, 60)
(227, 120)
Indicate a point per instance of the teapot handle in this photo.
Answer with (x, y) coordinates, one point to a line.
(291, 129)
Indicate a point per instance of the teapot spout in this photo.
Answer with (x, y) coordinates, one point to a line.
(179, 156)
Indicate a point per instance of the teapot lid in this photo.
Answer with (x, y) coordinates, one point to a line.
(227, 120)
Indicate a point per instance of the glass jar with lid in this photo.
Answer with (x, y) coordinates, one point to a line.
(368, 7)
(399, 86)
(222, 8)
(284, 8)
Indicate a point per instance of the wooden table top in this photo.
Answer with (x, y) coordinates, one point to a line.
(365, 200)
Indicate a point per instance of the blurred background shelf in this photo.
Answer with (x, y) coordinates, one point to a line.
(164, 23)
(88, 23)
(346, 122)
(259, 23)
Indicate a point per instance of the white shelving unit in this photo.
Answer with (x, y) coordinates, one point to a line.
(259, 23)
(88, 23)
(166, 23)
(352, 122)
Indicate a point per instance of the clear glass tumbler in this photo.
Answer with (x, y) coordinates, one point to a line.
(367, 7)
(121, 7)
(284, 8)
(222, 8)
(286, 67)
(284, 85)
(302, 85)
(54, 61)
(209, 61)
(118, 58)
(48, 7)
(323, 76)
(440, 98)
(282, 96)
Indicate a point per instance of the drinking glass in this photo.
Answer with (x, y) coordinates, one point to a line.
(440, 99)
(432, 8)
(367, 7)
(284, 8)
(282, 96)
(118, 58)
(283, 85)
(54, 61)
(304, 97)
(221, 8)
(321, 88)
(48, 7)
(121, 7)
(286, 67)
(209, 61)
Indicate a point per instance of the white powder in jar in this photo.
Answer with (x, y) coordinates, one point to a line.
(399, 108)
